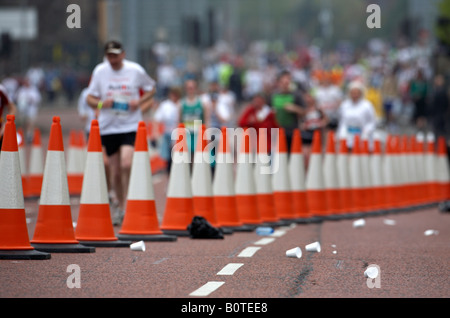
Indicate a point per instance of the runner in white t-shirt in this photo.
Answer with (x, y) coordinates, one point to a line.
(120, 90)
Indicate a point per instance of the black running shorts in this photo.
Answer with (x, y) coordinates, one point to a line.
(113, 142)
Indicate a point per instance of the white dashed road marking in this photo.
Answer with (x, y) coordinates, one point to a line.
(229, 269)
(265, 241)
(207, 289)
(248, 251)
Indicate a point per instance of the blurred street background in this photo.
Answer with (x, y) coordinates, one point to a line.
(241, 44)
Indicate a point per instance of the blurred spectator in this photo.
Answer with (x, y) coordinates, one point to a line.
(11, 85)
(329, 96)
(28, 101)
(5, 103)
(167, 77)
(389, 93)
(357, 115)
(36, 76)
(314, 119)
(288, 105)
(439, 110)
(253, 81)
(69, 84)
(193, 113)
(235, 82)
(418, 91)
(167, 113)
(257, 114)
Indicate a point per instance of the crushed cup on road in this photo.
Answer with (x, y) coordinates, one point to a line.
(371, 272)
(294, 252)
(431, 232)
(138, 246)
(359, 223)
(389, 222)
(313, 247)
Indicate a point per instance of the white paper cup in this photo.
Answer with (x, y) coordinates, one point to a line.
(431, 232)
(313, 247)
(294, 252)
(138, 246)
(359, 223)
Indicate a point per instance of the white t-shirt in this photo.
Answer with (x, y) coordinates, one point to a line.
(167, 113)
(85, 110)
(224, 107)
(356, 118)
(123, 86)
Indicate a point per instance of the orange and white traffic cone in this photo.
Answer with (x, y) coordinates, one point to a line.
(414, 187)
(356, 182)
(331, 178)
(343, 177)
(75, 157)
(298, 180)
(442, 165)
(389, 171)
(14, 239)
(407, 176)
(23, 163)
(430, 168)
(245, 188)
(376, 169)
(36, 167)
(281, 182)
(54, 228)
(223, 188)
(420, 164)
(367, 182)
(202, 193)
(263, 182)
(315, 185)
(140, 222)
(179, 210)
(94, 225)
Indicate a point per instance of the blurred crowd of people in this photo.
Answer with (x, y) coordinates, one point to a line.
(383, 86)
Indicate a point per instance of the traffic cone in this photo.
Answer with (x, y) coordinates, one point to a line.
(366, 177)
(315, 184)
(140, 222)
(245, 188)
(263, 182)
(430, 166)
(54, 228)
(94, 226)
(36, 168)
(14, 240)
(223, 188)
(202, 194)
(75, 158)
(23, 164)
(376, 169)
(356, 182)
(420, 164)
(343, 177)
(330, 178)
(281, 182)
(298, 180)
(179, 210)
(442, 165)
(407, 178)
(415, 186)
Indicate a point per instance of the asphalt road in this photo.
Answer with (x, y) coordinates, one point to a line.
(245, 265)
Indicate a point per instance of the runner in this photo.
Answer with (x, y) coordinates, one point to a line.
(120, 90)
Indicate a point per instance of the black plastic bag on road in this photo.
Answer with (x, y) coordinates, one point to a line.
(200, 228)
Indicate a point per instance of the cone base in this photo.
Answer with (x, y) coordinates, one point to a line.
(147, 238)
(117, 243)
(24, 255)
(243, 228)
(226, 231)
(63, 248)
(176, 232)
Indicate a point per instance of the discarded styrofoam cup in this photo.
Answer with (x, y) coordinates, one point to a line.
(389, 222)
(371, 272)
(294, 252)
(313, 247)
(431, 232)
(359, 223)
(138, 246)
